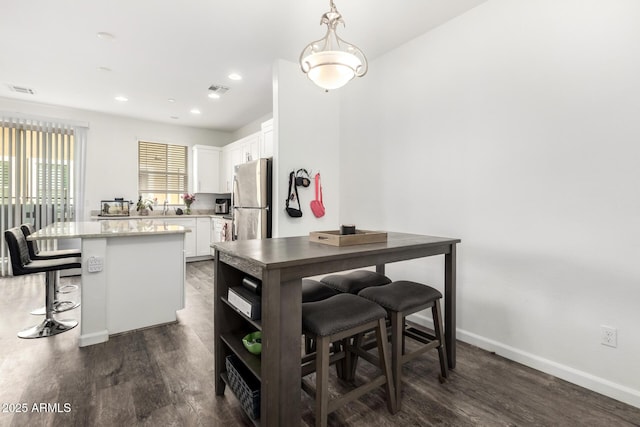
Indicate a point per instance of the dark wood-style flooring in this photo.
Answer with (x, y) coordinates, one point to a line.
(163, 376)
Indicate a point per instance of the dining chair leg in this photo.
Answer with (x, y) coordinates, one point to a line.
(385, 366)
(442, 350)
(397, 340)
(322, 381)
(353, 363)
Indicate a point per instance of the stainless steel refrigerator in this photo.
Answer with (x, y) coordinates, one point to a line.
(252, 200)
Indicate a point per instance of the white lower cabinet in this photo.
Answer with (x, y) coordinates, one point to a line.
(189, 237)
(220, 230)
(203, 237)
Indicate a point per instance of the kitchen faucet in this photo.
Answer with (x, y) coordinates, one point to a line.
(165, 208)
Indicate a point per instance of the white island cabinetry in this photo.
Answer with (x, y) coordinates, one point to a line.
(190, 237)
(197, 239)
(132, 274)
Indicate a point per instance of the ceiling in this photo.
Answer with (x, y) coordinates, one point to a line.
(175, 50)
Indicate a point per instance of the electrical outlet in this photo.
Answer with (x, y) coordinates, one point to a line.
(608, 336)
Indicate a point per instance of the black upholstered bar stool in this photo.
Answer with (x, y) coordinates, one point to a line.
(312, 291)
(401, 299)
(36, 254)
(355, 281)
(339, 318)
(21, 264)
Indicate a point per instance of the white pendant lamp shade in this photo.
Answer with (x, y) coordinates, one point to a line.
(331, 62)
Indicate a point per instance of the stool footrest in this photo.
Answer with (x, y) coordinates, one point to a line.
(356, 393)
(66, 289)
(309, 362)
(410, 356)
(423, 336)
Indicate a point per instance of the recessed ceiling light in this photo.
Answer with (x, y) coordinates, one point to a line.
(195, 111)
(106, 36)
(171, 100)
(104, 68)
(213, 95)
(235, 76)
(121, 98)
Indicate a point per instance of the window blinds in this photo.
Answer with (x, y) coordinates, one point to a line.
(37, 174)
(162, 168)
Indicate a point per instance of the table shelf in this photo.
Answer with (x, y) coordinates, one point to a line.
(251, 361)
(255, 323)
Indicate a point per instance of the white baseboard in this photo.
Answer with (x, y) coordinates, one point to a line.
(93, 338)
(567, 373)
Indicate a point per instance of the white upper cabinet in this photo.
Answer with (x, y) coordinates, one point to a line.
(241, 151)
(251, 147)
(206, 169)
(266, 139)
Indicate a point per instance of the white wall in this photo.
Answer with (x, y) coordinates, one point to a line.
(515, 128)
(306, 135)
(112, 147)
(250, 128)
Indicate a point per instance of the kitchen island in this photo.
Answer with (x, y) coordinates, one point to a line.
(133, 274)
(280, 264)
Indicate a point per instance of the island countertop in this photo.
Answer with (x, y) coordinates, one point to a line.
(101, 229)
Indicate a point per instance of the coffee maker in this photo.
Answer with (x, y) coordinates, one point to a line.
(222, 206)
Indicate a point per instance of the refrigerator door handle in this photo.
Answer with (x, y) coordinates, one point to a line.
(234, 231)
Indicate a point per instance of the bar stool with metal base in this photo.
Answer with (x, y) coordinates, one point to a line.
(339, 318)
(21, 264)
(36, 254)
(355, 281)
(401, 299)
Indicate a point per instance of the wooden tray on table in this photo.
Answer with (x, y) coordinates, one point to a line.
(334, 238)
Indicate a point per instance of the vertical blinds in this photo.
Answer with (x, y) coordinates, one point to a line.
(36, 174)
(162, 168)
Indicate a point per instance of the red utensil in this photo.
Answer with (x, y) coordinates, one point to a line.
(316, 205)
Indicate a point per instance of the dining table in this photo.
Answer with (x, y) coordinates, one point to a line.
(280, 264)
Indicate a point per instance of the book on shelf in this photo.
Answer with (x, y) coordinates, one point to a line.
(247, 302)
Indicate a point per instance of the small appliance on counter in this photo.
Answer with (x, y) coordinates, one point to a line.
(222, 206)
(115, 207)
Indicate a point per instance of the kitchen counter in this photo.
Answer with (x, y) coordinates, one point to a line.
(119, 227)
(158, 217)
(132, 274)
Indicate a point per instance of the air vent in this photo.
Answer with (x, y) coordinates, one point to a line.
(219, 90)
(22, 89)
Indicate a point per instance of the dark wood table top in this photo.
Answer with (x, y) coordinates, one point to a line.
(285, 252)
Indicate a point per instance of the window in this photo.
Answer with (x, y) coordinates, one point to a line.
(38, 172)
(162, 172)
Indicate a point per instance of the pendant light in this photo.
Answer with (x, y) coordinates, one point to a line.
(332, 62)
